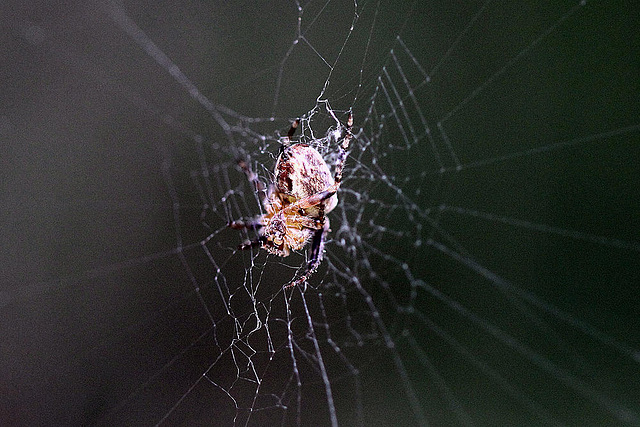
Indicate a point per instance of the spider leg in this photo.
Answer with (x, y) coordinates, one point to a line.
(247, 244)
(253, 224)
(312, 200)
(293, 128)
(343, 150)
(306, 222)
(287, 140)
(315, 254)
(249, 224)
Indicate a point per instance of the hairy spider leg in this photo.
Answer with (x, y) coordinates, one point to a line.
(251, 243)
(343, 150)
(316, 254)
(292, 130)
(254, 224)
(250, 224)
(312, 200)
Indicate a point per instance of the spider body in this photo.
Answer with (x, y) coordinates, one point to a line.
(300, 173)
(297, 201)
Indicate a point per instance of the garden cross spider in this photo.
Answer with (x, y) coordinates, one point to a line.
(297, 201)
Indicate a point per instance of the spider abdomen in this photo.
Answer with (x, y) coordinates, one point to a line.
(301, 172)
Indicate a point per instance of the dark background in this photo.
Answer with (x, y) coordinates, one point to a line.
(97, 141)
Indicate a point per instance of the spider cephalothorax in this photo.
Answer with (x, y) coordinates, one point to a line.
(297, 201)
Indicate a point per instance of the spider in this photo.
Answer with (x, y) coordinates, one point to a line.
(297, 201)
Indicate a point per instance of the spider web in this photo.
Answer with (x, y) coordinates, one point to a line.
(482, 264)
